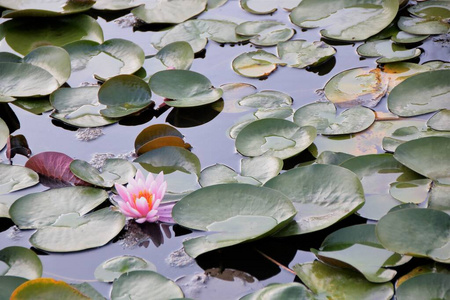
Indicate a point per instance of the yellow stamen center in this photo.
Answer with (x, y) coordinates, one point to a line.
(147, 195)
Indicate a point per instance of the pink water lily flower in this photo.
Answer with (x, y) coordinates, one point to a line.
(141, 199)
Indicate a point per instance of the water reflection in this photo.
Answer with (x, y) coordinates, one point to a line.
(325, 68)
(194, 116)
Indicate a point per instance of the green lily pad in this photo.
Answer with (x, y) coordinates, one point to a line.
(124, 95)
(215, 4)
(265, 33)
(323, 117)
(177, 55)
(114, 170)
(325, 202)
(105, 60)
(420, 94)
(335, 283)
(425, 286)
(438, 198)
(389, 51)
(72, 232)
(430, 18)
(291, 290)
(34, 81)
(117, 4)
(47, 288)
(220, 209)
(266, 99)
(87, 290)
(21, 262)
(232, 95)
(166, 11)
(79, 107)
(414, 191)
(403, 37)
(33, 8)
(170, 159)
(405, 134)
(354, 87)
(258, 7)
(198, 32)
(274, 137)
(157, 136)
(8, 284)
(332, 158)
(255, 170)
(398, 72)
(41, 209)
(35, 106)
(427, 156)
(15, 178)
(184, 88)
(367, 260)
(345, 20)
(144, 283)
(4, 133)
(255, 64)
(420, 232)
(440, 121)
(110, 270)
(301, 54)
(23, 34)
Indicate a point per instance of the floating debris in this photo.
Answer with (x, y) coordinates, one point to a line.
(88, 134)
(127, 21)
(179, 258)
(98, 159)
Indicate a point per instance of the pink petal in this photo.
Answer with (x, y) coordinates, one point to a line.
(152, 213)
(123, 192)
(149, 180)
(160, 178)
(156, 203)
(134, 212)
(141, 220)
(139, 176)
(152, 219)
(166, 219)
(142, 206)
(161, 190)
(124, 209)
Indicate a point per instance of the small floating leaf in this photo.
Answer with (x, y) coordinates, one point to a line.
(175, 11)
(389, 51)
(301, 54)
(15, 178)
(21, 262)
(440, 121)
(144, 283)
(259, 7)
(323, 117)
(265, 33)
(281, 291)
(110, 270)
(46, 288)
(255, 64)
(361, 86)
(274, 137)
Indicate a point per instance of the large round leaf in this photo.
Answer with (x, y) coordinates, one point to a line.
(41, 209)
(8, 284)
(176, 55)
(117, 4)
(111, 269)
(425, 286)
(21, 262)
(345, 20)
(170, 159)
(47, 288)
(33, 8)
(274, 137)
(336, 283)
(124, 95)
(265, 33)
(169, 11)
(140, 285)
(323, 117)
(319, 198)
(235, 212)
(354, 87)
(34, 81)
(72, 232)
(79, 107)
(427, 156)
(440, 121)
(15, 178)
(24, 35)
(431, 18)
(259, 7)
(416, 231)
(184, 88)
(420, 94)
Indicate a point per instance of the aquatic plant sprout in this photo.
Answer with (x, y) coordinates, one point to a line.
(141, 199)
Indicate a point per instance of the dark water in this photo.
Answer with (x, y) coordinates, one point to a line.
(210, 143)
